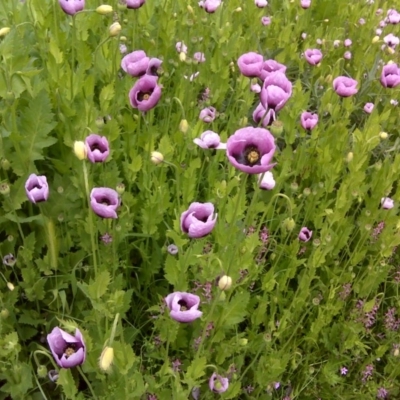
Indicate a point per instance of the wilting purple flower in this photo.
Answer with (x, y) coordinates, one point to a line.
(313, 56)
(345, 87)
(266, 181)
(276, 91)
(261, 3)
(250, 64)
(218, 384)
(387, 203)
(68, 351)
(251, 150)
(347, 43)
(208, 114)
(183, 306)
(210, 140)
(305, 234)
(104, 202)
(172, 249)
(145, 94)
(391, 40)
(181, 47)
(134, 4)
(71, 7)
(309, 120)
(137, 64)
(210, 5)
(390, 76)
(368, 108)
(261, 114)
(266, 21)
(343, 371)
(198, 220)
(36, 188)
(382, 393)
(347, 55)
(269, 67)
(367, 373)
(53, 375)
(199, 57)
(97, 148)
(305, 3)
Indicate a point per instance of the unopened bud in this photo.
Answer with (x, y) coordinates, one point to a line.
(289, 224)
(120, 188)
(375, 39)
(5, 164)
(390, 50)
(80, 149)
(4, 313)
(243, 341)
(396, 352)
(383, 135)
(123, 38)
(239, 9)
(10, 286)
(225, 282)
(243, 121)
(104, 9)
(115, 29)
(190, 9)
(42, 371)
(4, 31)
(156, 157)
(349, 157)
(276, 128)
(182, 56)
(106, 359)
(5, 189)
(183, 126)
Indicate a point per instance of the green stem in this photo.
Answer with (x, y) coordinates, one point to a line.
(87, 383)
(73, 57)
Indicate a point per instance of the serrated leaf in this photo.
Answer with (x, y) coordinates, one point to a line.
(124, 357)
(99, 287)
(106, 95)
(55, 51)
(66, 381)
(235, 311)
(195, 371)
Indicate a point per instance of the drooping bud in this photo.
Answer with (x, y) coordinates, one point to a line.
(225, 282)
(182, 56)
(42, 371)
(5, 164)
(183, 126)
(289, 224)
(115, 29)
(157, 158)
(104, 9)
(10, 286)
(80, 150)
(375, 39)
(383, 135)
(349, 157)
(4, 31)
(106, 359)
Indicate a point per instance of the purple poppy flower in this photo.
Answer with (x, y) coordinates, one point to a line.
(68, 351)
(368, 108)
(183, 306)
(208, 114)
(135, 63)
(104, 202)
(261, 114)
(391, 40)
(71, 7)
(210, 140)
(347, 55)
(276, 91)
(270, 66)
(218, 384)
(387, 203)
(266, 181)
(347, 43)
(250, 64)
(36, 188)
(199, 57)
(313, 56)
(97, 148)
(305, 234)
(266, 21)
(134, 4)
(305, 3)
(309, 120)
(390, 76)
(145, 94)
(261, 3)
(255, 87)
(345, 87)
(181, 47)
(251, 150)
(210, 5)
(198, 220)
(393, 17)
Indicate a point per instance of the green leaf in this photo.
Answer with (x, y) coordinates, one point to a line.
(124, 357)
(195, 371)
(99, 287)
(66, 381)
(235, 310)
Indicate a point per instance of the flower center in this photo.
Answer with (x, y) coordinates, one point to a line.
(69, 350)
(104, 201)
(252, 156)
(143, 96)
(183, 304)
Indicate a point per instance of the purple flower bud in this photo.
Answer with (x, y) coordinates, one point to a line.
(210, 140)
(251, 150)
(390, 76)
(36, 188)
(208, 114)
(250, 64)
(368, 108)
(305, 234)
(145, 94)
(97, 148)
(266, 181)
(347, 43)
(347, 55)
(387, 203)
(199, 57)
(345, 87)
(313, 56)
(309, 120)
(183, 306)
(71, 7)
(260, 113)
(305, 3)
(134, 4)
(261, 3)
(276, 91)
(210, 5)
(218, 384)
(172, 249)
(198, 220)
(68, 351)
(266, 21)
(181, 47)
(104, 202)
